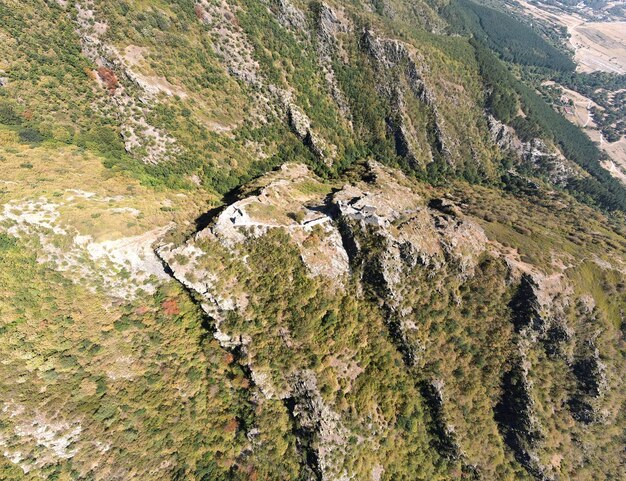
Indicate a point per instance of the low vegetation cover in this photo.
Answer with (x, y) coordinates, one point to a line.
(606, 90)
(302, 240)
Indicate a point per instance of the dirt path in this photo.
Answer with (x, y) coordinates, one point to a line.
(588, 114)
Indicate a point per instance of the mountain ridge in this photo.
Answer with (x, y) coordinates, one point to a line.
(293, 240)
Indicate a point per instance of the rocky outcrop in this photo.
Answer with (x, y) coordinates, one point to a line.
(443, 433)
(291, 17)
(503, 136)
(534, 154)
(515, 416)
(591, 384)
(413, 232)
(589, 372)
(131, 98)
(394, 60)
(388, 231)
(390, 53)
(538, 307)
(301, 126)
(544, 160)
(317, 428)
(525, 306)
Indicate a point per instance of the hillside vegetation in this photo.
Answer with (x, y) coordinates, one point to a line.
(301, 240)
(514, 41)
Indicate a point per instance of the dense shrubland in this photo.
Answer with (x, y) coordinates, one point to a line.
(155, 395)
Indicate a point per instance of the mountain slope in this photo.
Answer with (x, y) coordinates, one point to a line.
(297, 240)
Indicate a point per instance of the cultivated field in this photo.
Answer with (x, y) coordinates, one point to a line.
(600, 46)
(597, 45)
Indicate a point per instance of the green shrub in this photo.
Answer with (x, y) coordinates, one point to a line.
(103, 139)
(7, 242)
(8, 116)
(31, 135)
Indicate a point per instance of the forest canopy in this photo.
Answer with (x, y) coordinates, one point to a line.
(510, 38)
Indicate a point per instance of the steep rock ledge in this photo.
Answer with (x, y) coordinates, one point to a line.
(395, 61)
(317, 428)
(534, 153)
(371, 239)
(518, 424)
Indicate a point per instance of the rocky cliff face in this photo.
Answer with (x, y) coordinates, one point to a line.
(393, 287)
(379, 239)
(534, 154)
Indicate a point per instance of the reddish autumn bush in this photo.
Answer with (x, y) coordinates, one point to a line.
(228, 358)
(231, 426)
(199, 11)
(108, 77)
(170, 307)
